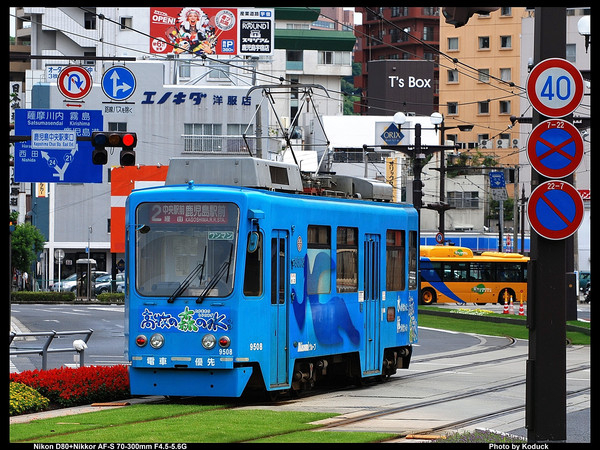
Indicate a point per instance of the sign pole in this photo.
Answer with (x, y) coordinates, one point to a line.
(545, 417)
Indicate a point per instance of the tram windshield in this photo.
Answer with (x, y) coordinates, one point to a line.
(185, 249)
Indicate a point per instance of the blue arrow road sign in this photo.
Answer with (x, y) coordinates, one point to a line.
(71, 164)
(118, 83)
(497, 180)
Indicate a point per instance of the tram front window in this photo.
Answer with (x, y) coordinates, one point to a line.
(186, 249)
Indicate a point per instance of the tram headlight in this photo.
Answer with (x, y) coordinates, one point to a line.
(209, 341)
(157, 340)
(141, 340)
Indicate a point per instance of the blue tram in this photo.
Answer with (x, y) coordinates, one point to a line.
(230, 287)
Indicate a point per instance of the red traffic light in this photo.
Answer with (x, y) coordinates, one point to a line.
(129, 140)
(126, 141)
(114, 139)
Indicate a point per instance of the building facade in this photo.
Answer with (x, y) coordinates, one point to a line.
(183, 104)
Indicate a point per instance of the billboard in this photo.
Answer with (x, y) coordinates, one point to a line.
(211, 31)
(400, 85)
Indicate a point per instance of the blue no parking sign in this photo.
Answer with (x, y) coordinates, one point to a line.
(555, 148)
(555, 210)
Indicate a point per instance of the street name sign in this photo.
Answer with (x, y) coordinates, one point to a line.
(555, 210)
(555, 148)
(555, 87)
(40, 160)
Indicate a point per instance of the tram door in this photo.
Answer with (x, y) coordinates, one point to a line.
(372, 303)
(279, 302)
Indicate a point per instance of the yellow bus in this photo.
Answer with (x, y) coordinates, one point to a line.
(454, 274)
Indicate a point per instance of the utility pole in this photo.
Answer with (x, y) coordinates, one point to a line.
(546, 417)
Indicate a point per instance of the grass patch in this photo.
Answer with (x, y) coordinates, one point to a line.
(185, 423)
(465, 322)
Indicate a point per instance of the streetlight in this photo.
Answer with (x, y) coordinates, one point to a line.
(418, 152)
(437, 119)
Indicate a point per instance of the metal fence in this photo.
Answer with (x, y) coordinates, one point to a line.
(43, 351)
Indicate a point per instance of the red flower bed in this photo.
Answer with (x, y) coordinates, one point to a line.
(71, 387)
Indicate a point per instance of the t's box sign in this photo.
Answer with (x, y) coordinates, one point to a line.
(397, 82)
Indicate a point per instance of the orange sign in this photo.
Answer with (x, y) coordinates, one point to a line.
(123, 180)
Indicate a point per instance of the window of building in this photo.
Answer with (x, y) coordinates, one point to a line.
(428, 33)
(484, 75)
(452, 108)
(218, 71)
(453, 43)
(504, 106)
(184, 68)
(463, 199)
(126, 23)
(506, 74)
(89, 20)
(483, 107)
(505, 42)
(452, 76)
(294, 59)
(484, 42)
(202, 137)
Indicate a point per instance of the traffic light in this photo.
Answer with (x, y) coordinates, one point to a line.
(124, 140)
(460, 15)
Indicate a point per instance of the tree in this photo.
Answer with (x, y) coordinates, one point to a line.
(26, 243)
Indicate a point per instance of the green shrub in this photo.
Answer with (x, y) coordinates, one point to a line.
(25, 400)
(111, 297)
(41, 297)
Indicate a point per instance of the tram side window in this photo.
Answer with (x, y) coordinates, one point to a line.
(347, 260)
(253, 272)
(394, 260)
(318, 251)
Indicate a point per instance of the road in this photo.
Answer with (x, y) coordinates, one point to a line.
(455, 382)
(105, 347)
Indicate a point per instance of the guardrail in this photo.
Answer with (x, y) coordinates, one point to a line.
(50, 335)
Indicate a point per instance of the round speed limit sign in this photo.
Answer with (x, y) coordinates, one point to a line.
(555, 87)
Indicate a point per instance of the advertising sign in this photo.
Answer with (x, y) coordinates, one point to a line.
(211, 31)
(393, 83)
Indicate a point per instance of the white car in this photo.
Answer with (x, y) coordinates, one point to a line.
(69, 284)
